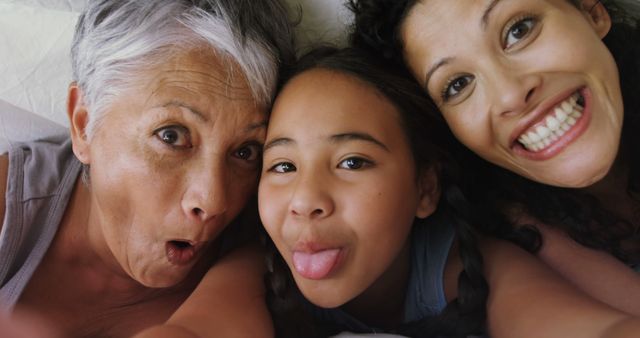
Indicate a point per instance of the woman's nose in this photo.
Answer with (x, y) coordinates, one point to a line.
(312, 197)
(513, 90)
(206, 193)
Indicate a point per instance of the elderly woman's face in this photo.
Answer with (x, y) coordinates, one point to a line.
(173, 163)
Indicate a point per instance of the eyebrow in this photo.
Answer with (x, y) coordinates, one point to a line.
(281, 141)
(197, 113)
(254, 126)
(483, 24)
(433, 69)
(345, 137)
(337, 138)
(487, 13)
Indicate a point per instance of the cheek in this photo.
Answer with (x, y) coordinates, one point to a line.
(270, 206)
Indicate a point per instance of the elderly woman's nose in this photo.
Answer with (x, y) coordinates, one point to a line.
(206, 193)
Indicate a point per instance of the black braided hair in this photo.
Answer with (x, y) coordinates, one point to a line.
(428, 139)
(493, 190)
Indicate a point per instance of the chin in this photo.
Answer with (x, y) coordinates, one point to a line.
(321, 297)
(160, 279)
(574, 181)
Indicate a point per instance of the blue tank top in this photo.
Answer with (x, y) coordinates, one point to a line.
(431, 240)
(41, 178)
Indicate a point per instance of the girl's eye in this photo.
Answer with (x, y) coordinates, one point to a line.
(455, 86)
(354, 163)
(518, 31)
(283, 167)
(176, 136)
(249, 152)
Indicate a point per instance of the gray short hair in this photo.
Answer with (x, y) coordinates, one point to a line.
(116, 39)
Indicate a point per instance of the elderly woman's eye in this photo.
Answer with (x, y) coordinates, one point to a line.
(176, 136)
(249, 152)
(354, 163)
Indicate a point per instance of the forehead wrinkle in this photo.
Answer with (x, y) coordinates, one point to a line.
(192, 87)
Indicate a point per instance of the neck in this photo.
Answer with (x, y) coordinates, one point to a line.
(612, 190)
(382, 304)
(81, 248)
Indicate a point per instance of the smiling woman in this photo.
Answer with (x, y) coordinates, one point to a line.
(167, 115)
(547, 91)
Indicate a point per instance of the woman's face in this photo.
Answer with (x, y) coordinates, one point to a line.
(173, 162)
(338, 192)
(526, 84)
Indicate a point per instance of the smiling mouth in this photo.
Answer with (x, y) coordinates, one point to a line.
(558, 121)
(180, 252)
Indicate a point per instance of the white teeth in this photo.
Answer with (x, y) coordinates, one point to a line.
(576, 114)
(562, 118)
(552, 123)
(533, 137)
(543, 131)
(560, 114)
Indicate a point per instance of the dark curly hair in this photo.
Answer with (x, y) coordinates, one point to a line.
(579, 214)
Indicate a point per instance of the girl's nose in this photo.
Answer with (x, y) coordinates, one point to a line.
(312, 197)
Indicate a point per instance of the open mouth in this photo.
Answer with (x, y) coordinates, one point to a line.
(180, 252)
(558, 121)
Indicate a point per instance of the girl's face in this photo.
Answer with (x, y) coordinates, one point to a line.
(338, 192)
(526, 84)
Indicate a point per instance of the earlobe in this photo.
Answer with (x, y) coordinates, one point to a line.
(598, 16)
(429, 193)
(78, 120)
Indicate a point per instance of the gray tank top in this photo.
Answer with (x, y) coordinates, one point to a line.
(40, 181)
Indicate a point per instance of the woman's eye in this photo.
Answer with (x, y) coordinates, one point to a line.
(249, 152)
(175, 136)
(518, 31)
(283, 167)
(455, 86)
(354, 163)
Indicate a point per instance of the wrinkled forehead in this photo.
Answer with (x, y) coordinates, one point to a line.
(201, 72)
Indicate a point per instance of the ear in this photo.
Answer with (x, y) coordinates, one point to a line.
(598, 16)
(429, 193)
(78, 120)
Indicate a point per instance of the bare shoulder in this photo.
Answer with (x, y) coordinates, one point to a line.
(525, 292)
(229, 301)
(4, 171)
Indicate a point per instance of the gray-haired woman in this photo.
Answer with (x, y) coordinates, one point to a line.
(167, 116)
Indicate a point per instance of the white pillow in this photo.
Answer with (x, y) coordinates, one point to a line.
(35, 36)
(34, 58)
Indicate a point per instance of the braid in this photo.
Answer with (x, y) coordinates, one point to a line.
(290, 318)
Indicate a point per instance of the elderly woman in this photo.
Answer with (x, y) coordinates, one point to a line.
(109, 232)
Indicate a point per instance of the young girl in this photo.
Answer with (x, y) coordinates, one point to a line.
(547, 90)
(359, 200)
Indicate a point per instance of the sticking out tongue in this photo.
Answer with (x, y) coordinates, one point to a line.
(315, 265)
